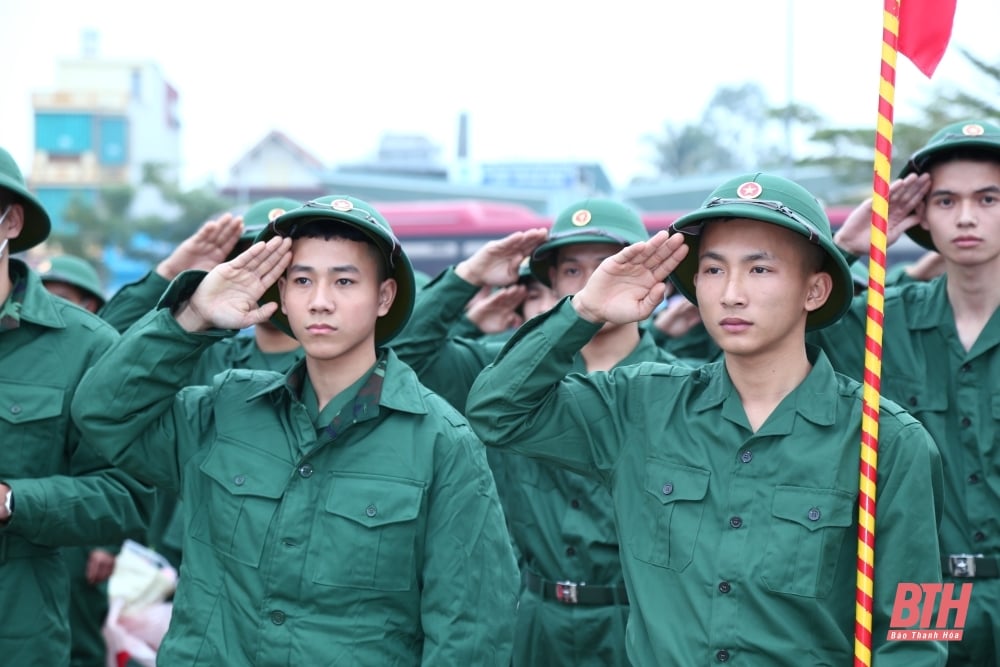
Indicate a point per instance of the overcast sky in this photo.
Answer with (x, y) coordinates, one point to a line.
(540, 79)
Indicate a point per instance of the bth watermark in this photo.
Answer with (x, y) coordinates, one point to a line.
(914, 607)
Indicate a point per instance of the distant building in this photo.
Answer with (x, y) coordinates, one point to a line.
(276, 166)
(104, 121)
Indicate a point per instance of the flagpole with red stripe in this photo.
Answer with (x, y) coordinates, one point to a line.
(873, 340)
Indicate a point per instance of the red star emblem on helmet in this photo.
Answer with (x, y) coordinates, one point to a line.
(581, 217)
(749, 190)
(973, 130)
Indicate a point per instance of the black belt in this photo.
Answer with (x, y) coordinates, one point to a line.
(570, 592)
(970, 566)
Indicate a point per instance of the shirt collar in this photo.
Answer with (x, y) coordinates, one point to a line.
(28, 301)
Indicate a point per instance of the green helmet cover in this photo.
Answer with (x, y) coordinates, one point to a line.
(588, 221)
(778, 201)
(36, 221)
(362, 216)
(74, 271)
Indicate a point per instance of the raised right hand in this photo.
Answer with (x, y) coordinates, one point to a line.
(227, 297)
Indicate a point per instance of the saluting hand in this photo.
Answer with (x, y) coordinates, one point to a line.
(497, 311)
(204, 249)
(227, 297)
(906, 209)
(628, 286)
(497, 262)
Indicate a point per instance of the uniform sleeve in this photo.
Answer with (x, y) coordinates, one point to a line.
(132, 301)
(907, 507)
(525, 400)
(133, 406)
(445, 364)
(469, 576)
(89, 503)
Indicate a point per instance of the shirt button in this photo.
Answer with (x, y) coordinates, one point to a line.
(277, 617)
(736, 522)
(306, 471)
(814, 514)
(965, 368)
(746, 456)
(973, 478)
(15, 409)
(725, 587)
(288, 543)
(722, 656)
(239, 480)
(570, 551)
(575, 504)
(912, 400)
(966, 422)
(979, 536)
(668, 488)
(371, 510)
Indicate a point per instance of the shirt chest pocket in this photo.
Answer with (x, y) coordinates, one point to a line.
(915, 397)
(239, 491)
(32, 416)
(671, 507)
(366, 534)
(807, 532)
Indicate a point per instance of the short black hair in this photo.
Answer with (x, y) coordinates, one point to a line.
(332, 229)
(968, 154)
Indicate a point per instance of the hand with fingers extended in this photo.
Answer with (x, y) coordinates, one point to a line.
(227, 297)
(496, 263)
(497, 311)
(906, 209)
(628, 286)
(204, 249)
(678, 318)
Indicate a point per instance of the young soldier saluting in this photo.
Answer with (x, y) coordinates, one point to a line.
(733, 484)
(340, 513)
(941, 352)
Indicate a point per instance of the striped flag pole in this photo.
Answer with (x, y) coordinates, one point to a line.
(873, 340)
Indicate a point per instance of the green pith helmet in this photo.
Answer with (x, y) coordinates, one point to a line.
(978, 135)
(257, 217)
(778, 201)
(73, 271)
(588, 221)
(36, 221)
(363, 217)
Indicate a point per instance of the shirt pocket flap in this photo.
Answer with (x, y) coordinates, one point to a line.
(671, 482)
(813, 508)
(244, 471)
(914, 395)
(22, 403)
(375, 501)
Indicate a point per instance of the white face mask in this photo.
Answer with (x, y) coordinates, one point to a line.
(3, 246)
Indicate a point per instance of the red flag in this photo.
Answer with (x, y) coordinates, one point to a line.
(924, 31)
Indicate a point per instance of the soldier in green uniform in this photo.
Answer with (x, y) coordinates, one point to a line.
(339, 513)
(76, 280)
(941, 351)
(573, 606)
(54, 490)
(734, 485)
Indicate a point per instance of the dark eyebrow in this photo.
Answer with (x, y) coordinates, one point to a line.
(988, 188)
(345, 268)
(752, 257)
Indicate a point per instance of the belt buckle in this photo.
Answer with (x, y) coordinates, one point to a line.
(963, 565)
(566, 592)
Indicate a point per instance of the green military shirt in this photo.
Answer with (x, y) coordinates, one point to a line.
(956, 396)
(64, 494)
(737, 546)
(132, 301)
(377, 539)
(561, 522)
